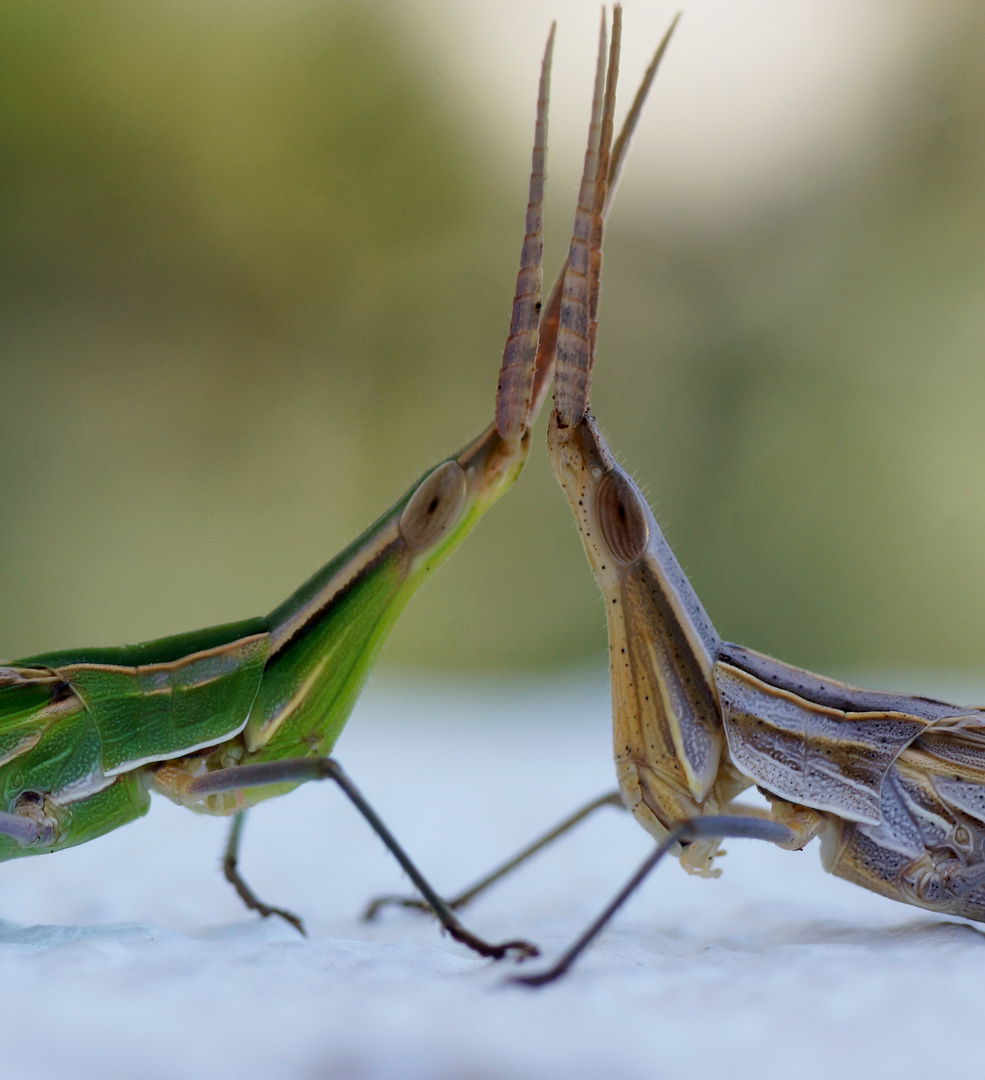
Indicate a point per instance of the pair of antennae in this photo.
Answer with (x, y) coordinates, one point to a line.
(582, 279)
(563, 331)
(514, 391)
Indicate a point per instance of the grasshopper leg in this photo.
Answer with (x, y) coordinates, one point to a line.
(300, 770)
(695, 829)
(611, 798)
(25, 830)
(230, 868)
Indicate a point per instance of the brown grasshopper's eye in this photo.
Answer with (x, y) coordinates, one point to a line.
(622, 518)
(434, 507)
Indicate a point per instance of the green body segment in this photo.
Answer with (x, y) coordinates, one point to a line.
(310, 687)
(49, 763)
(84, 733)
(158, 711)
(23, 701)
(148, 702)
(61, 761)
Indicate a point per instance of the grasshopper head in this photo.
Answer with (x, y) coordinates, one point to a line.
(612, 516)
(439, 513)
(446, 504)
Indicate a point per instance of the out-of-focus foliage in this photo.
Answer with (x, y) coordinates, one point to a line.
(812, 422)
(255, 271)
(238, 245)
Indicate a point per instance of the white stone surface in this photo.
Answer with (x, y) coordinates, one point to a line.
(131, 957)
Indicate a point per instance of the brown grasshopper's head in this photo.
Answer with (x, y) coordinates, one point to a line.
(667, 735)
(612, 515)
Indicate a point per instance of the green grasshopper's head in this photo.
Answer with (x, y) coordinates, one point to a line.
(393, 556)
(440, 511)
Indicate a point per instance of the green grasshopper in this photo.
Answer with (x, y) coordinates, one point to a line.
(892, 784)
(221, 719)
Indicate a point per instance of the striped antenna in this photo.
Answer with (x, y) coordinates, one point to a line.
(574, 336)
(551, 313)
(516, 373)
(601, 192)
(621, 145)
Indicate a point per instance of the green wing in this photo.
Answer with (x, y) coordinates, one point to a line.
(148, 702)
(25, 695)
(151, 712)
(75, 725)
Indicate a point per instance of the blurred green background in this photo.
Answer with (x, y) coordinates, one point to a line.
(256, 264)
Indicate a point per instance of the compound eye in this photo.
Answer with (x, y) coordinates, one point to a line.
(435, 505)
(622, 518)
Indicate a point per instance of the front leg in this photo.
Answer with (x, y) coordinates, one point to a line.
(700, 828)
(230, 869)
(301, 770)
(612, 798)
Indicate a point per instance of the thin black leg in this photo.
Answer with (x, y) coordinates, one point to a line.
(613, 798)
(230, 867)
(300, 770)
(694, 829)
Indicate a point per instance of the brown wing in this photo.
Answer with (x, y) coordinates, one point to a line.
(928, 847)
(830, 692)
(807, 753)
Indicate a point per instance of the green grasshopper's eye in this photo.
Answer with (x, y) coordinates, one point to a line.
(622, 518)
(434, 507)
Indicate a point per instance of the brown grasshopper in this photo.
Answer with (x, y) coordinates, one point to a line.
(892, 784)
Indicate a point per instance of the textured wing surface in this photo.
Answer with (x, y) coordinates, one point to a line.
(155, 711)
(928, 847)
(71, 721)
(830, 692)
(48, 742)
(807, 753)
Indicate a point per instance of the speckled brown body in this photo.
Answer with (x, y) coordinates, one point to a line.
(893, 785)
